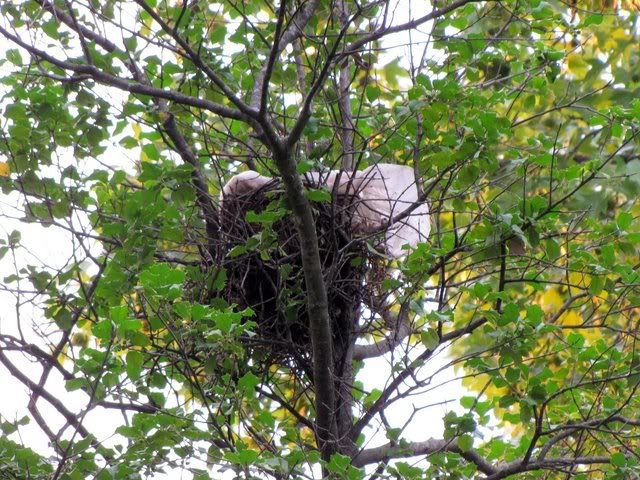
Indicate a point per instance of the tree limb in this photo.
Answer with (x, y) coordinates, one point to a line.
(344, 98)
(427, 447)
(317, 302)
(376, 35)
(107, 79)
(400, 329)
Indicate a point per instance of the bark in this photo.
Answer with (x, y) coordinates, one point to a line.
(317, 304)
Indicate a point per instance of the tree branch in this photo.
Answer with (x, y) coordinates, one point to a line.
(344, 98)
(376, 35)
(552, 463)
(268, 67)
(128, 85)
(400, 329)
(198, 180)
(317, 302)
(427, 447)
(69, 416)
(291, 33)
(197, 61)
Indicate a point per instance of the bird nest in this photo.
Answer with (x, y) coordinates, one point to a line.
(261, 256)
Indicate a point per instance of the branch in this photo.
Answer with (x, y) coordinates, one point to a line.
(400, 329)
(128, 85)
(427, 447)
(317, 302)
(197, 61)
(179, 142)
(552, 463)
(358, 44)
(58, 14)
(199, 182)
(69, 416)
(305, 110)
(267, 69)
(344, 99)
(291, 33)
(287, 406)
(492, 472)
(571, 429)
(261, 82)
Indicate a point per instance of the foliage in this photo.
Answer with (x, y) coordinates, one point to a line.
(121, 122)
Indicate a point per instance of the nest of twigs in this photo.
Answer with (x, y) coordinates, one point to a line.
(261, 255)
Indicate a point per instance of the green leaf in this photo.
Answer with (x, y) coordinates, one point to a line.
(75, 384)
(102, 329)
(624, 221)
(372, 92)
(618, 459)
(430, 338)
(592, 19)
(510, 314)
(465, 442)
(94, 136)
(135, 360)
(303, 167)
(248, 382)
(218, 35)
(13, 55)
(14, 238)
(372, 397)
(318, 195)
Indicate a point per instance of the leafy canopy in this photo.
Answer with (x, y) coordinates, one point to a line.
(121, 121)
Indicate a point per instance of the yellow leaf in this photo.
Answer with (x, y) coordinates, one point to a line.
(570, 318)
(4, 169)
(136, 131)
(577, 278)
(551, 301)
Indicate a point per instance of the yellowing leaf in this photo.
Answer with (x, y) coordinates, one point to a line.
(4, 169)
(577, 66)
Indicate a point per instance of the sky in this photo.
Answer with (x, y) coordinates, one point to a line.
(52, 246)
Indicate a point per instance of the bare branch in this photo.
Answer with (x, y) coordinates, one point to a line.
(400, 329)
